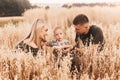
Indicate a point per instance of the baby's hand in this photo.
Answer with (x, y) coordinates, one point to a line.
(56, 48)
(65, 51)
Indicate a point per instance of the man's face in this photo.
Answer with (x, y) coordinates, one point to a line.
(82, 29)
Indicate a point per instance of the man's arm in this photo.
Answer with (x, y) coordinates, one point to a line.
(99, 39)
(98, 36)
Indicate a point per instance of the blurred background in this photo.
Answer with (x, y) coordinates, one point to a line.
(16, 18)
(17, 7)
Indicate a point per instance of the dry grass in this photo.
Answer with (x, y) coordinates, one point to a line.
(94, 66)
(15, 19)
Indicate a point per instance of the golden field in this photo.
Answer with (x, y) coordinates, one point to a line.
(15, 19)
(17, 65)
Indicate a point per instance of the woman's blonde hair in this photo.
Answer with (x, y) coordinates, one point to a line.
(38, 24)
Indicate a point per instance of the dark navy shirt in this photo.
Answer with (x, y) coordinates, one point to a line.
(94, 36)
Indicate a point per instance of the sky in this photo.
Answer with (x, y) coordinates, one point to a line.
(71, 1)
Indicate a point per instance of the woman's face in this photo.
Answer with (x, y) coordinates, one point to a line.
(44, 33)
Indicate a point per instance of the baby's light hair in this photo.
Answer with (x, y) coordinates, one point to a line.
(56, 28)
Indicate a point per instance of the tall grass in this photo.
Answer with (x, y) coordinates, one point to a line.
(17, 65)
(104, 15)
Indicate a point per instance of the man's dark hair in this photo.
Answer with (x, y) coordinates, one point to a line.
(80, 19)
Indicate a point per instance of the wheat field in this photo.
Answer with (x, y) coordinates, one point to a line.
(17, 65)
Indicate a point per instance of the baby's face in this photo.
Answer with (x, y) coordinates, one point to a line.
(59, 34)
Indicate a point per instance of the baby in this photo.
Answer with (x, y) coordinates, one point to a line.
(60, 45)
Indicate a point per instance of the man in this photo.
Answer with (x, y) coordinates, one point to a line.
(87, 33)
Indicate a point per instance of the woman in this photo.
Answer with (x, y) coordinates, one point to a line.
(36, 39)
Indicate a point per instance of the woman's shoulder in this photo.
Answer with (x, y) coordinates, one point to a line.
(19, 45)
(30, 43)
(26, 48)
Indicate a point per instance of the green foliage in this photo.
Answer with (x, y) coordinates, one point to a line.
(13, 7)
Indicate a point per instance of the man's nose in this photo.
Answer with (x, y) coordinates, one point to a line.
(76, 30)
